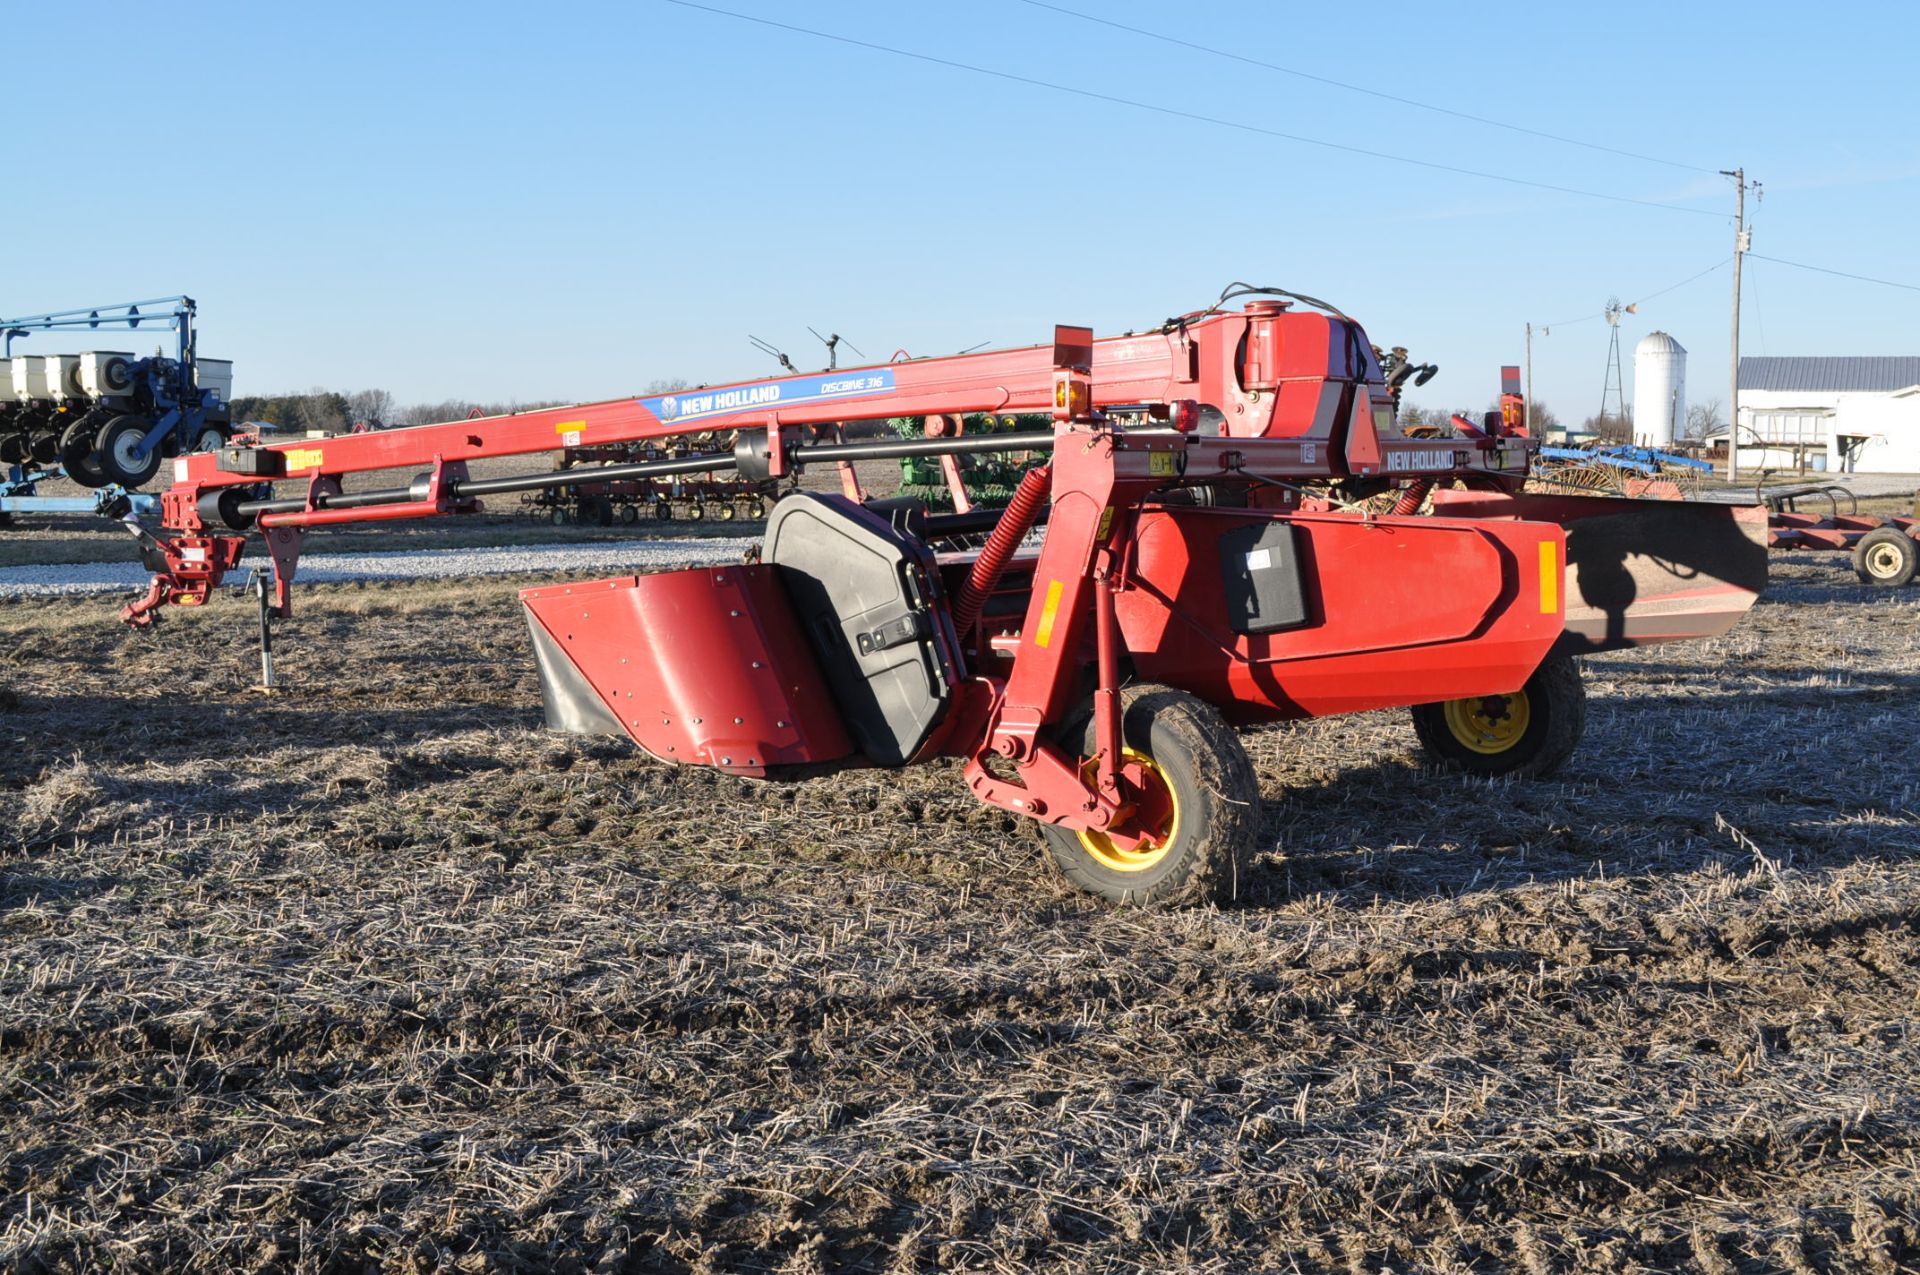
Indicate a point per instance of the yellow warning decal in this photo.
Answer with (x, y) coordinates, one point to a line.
(1106, 523)
(569, 427)
(1160, 464)
(1044, 634)
(303, 458)
(1549, 577)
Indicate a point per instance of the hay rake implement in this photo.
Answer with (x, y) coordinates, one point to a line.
(1885, 550)
(1193, 555)
(1622, 470)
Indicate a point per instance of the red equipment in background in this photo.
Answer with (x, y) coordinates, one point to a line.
(1885, 549)
(1206, 558)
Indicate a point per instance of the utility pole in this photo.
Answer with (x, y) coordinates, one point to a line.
(1527, 417)
(1740, 241)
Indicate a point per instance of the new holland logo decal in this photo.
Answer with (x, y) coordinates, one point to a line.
(693, 405)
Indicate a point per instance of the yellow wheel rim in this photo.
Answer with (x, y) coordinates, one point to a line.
(1157, 812)
(1883, 561)
(1489, 724)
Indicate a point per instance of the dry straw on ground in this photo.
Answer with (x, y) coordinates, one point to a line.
(380, 976)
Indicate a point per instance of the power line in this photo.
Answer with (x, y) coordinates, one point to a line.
(1356, 88)
(1599, 314)
(1801, 265)
(1548, 328)
(1176, 113)
(1684, 282)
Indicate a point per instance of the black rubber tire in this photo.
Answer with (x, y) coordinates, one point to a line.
(44, 448)
(115, 437)
(1556, 701)
(1887, 557)
(599, 511)
(696, 511)
(628, 515)
(13, 449)
(81, 461)
(560, 516)
(1215, 792)
(663, 510)
(211, 438)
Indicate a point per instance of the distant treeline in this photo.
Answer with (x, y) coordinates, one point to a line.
(332, 412)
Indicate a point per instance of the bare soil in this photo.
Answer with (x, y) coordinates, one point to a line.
(378, 975)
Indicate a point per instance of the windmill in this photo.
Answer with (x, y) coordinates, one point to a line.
(1612, 390)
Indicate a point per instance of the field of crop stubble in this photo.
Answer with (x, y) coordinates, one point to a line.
(380, 975)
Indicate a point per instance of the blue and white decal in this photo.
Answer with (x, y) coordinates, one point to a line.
(693, 405)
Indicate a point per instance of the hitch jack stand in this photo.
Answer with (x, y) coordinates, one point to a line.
(257, 585)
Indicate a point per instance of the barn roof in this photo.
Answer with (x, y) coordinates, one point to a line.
(1860, 374)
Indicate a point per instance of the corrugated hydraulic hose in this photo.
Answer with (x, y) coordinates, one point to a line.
(1007, 535)
(1410, 499)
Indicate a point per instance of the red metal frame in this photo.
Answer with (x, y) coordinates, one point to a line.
(1294, 397)
(1269, 372)
(1831, 531)
(1294, 379)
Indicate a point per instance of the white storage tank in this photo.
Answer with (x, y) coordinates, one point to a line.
(63, 376)
(1659, 390)
(30, 377)
(106, 373)
(215, 375)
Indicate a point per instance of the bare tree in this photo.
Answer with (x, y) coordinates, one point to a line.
(667, 385)
(1413, 416)
(1611, 428)
(451, 409)
(460, 409)
(1704, 419)
(320, 411)
(375, 407)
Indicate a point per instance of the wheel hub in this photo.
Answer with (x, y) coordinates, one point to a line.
(1489, 724)
(125, 449)
(1883, 560)
(1149, 829)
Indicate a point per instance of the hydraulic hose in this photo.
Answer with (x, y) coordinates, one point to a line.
(1007, 535)
(1410, 499)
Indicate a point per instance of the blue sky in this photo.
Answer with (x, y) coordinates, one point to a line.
(485, 200)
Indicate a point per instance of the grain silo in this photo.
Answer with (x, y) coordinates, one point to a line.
(1659, 390)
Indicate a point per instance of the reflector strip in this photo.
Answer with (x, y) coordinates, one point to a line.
(569, 427)
(1044, 634)
(1549, 578)
(303, 458)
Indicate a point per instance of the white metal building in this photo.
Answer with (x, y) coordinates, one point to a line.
(1859, 415)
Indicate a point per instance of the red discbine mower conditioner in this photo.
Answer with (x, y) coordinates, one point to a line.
(1227, 530)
